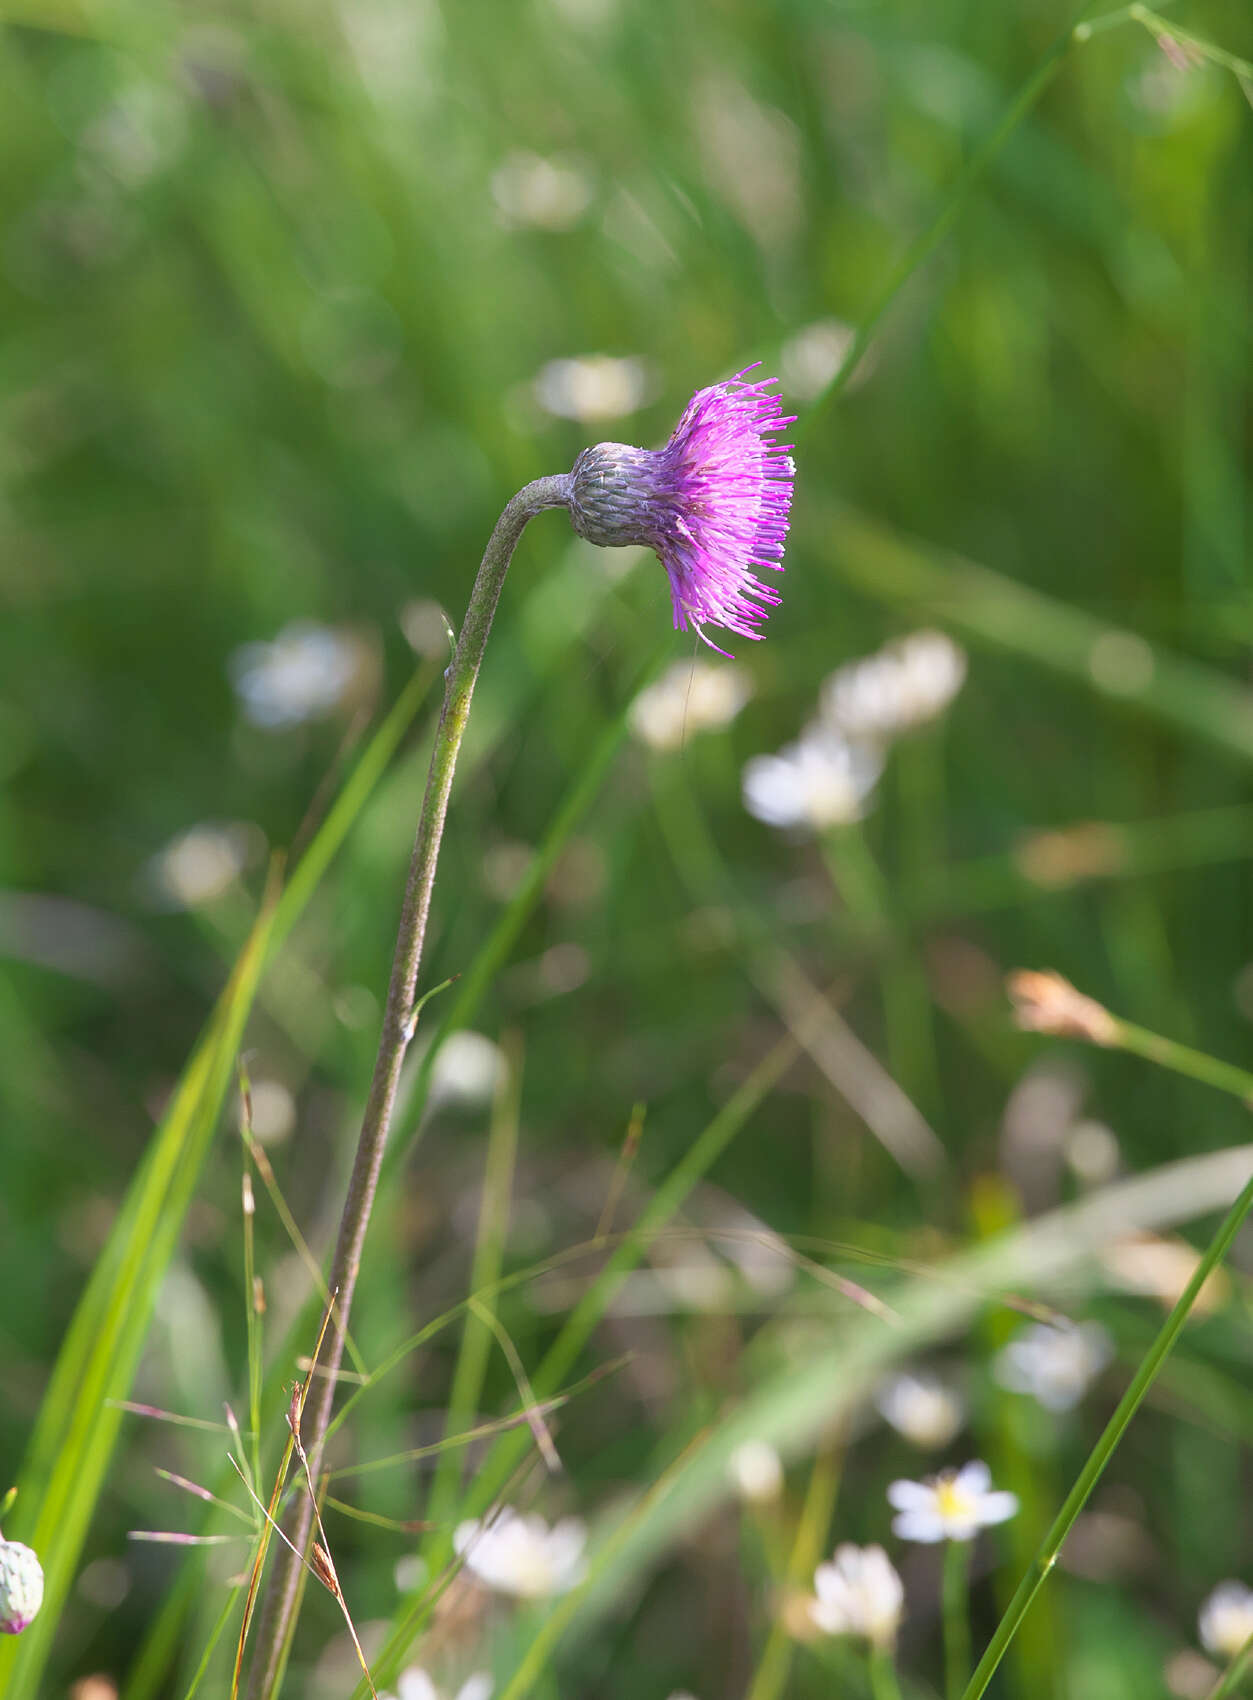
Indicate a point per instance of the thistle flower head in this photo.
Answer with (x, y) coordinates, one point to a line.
(21, 1587)
(713, 504)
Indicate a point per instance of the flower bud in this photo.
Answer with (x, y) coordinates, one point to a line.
(21, 1587)
(617, 496)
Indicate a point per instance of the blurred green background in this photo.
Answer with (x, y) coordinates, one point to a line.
(292, 298)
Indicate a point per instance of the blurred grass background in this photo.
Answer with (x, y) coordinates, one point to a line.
(289, 297)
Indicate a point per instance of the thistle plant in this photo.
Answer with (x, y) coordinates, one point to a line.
(713, 503)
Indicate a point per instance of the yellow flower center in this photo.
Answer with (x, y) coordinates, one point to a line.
(952, 1501)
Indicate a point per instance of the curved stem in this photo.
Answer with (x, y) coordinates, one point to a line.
(399, 1023)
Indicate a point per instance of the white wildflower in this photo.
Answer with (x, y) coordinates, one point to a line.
(859, 1594)
(467, 1069)
(1162, 1268)
(924, 1409)
(1054, 1365)
(273, 1111)
(203, 862)
(592, 388)
(818, 782)
(905, 684)
(1226, 1619)
(548, 194)
(521, 1555)
(952, 1506)
(301, 676)
(809, 360)
(427, 628)
(690, 697)
(415, 1684)
(757, 1471)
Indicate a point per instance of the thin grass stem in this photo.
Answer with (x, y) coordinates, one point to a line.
(902, 982)
(1182, 1059)
(955, 1610)
(1231, 1678)
(1159, 26)
(924, 245)
(883, 1683)
(1034, 1578)
(770, 1680)
(476, 1335)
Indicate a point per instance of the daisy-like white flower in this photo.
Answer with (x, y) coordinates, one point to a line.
(952, 1506)
(903, 685)
(1054, 1365)
(592, 388)
(820, 781)
(1226, 1619)
(859, 1594)
(757, 1471)
(713, 504)
(467, 1069)
(302, 675)
(689, 697)
(522, 1556)
(203, 862)
(21, 1587)
(415, 1684)
(925, 1410)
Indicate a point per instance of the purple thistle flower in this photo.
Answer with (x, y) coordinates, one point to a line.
(713, 504)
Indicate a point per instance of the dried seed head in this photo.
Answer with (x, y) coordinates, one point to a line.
(1046, 1003)
(324, 1569)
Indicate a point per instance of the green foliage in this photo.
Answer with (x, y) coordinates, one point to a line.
(281, 289)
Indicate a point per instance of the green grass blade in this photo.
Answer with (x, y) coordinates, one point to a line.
(476, 1337)
(1034, 1578)
(994, 609)
(74, 1436)
(506, 1454)
(78, 1427)
(795, 1406)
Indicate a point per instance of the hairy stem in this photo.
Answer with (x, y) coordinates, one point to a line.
(399, 1021)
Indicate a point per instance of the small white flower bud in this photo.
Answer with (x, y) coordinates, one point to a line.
(21, 1587)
